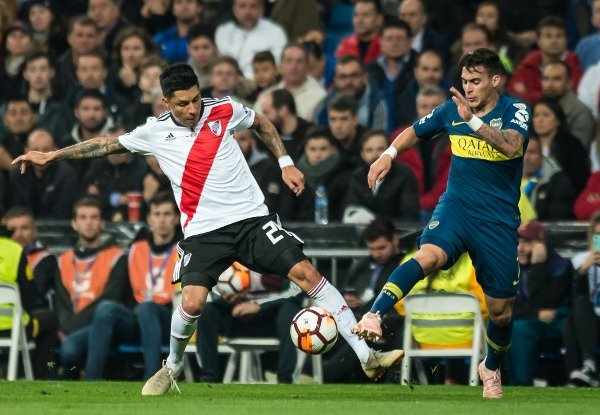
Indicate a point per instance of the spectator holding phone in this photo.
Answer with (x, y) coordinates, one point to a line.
(581, 330)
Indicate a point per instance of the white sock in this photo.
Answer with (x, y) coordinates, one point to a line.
(182, 328)
(329, 298)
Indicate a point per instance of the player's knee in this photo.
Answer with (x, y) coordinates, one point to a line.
(500, 317)
(430, 258)
(305, 273)
(192, 302)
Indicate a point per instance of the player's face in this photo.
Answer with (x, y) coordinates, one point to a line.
(373, 147)
(555, 81)
(247, 12)
(394, 42)
(545, 122)
(163, 219)
(22, 229)
(317, 150)
(381, 249)
(429, 71)
(185, 106)
(91, 72)
(365, 19)
(487, 15)
(202, 51)
(552, 41)
(88, 223)
(479, 86)
(38, 74)
(342, 124)
(533, 158)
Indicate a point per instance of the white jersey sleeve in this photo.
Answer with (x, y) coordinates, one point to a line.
(242, 118)
(138, 140)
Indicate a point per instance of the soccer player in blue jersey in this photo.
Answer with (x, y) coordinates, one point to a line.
(478, 213)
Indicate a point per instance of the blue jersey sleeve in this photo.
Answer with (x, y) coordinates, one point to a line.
(431, 124)
(517, 117)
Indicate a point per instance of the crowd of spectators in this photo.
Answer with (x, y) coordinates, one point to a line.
(338, 79)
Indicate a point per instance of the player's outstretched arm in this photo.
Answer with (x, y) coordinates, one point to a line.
(95, 147)
(381, 167)
(268, 134)
(508, 142)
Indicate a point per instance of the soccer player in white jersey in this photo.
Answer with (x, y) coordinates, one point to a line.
(223, 215)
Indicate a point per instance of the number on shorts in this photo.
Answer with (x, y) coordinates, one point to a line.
(273, 227)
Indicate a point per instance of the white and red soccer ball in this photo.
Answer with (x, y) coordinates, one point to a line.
(314, 330)
(234, 279)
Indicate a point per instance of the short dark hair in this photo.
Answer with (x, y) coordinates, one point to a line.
(129, 32)
(393, 22)
(313, 49)
(228, 60)
(343, 102)
(96, 53)
(377, 228)
(564, 65)
(90, 93)
(296, 45)
(320, 132)
(87, 201)
(284, 98)
(378, 7)
(163, 197)
(82, 20)
(372, 133)
(201, 30)
(19, 98)
(34, 56)
(346, 59)
(17, 212)
(264, 56)
(177, 77)
(484, 57)
(551, 21)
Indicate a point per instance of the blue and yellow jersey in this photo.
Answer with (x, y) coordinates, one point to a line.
(481, 178)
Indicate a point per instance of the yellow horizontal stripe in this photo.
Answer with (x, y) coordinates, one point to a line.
(496, 346)
(476, 148)
(394, 289)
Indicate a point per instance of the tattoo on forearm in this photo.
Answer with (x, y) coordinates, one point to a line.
(505, 141)
(95, 147)
(269, 135)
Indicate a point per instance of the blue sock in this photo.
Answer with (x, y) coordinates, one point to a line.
(498, 342)
(399, 283)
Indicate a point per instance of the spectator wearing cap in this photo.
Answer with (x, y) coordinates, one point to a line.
(542, 302)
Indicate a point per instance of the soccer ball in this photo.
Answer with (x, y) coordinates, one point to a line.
(314, 330)
(233, 280)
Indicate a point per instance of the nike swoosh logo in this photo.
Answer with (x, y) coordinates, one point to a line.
(455, 123)
(515, 282)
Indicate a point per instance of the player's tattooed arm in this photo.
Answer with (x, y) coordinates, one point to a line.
(508, 142)
(95, 147)
(268, 134)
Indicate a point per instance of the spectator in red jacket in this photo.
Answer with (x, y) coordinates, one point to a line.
(526, 82)
(364, 42)
(588, 201)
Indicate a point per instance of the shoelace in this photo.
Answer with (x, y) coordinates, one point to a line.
(494, 381)
(173, 382)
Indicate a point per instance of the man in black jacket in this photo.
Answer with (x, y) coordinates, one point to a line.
(542, 302)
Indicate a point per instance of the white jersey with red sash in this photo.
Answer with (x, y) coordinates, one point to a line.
(211, 181)
(86, 278)
(150, 273)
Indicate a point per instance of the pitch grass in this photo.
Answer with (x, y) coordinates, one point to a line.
(123, 398)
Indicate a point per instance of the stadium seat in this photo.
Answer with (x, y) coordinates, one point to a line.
(244, 358)
(442, 304)
(17, 342)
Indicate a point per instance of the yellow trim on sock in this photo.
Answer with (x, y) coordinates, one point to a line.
(36, 328)
(497, 347)
(394, 289)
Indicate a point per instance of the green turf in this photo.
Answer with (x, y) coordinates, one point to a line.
(117, 398)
